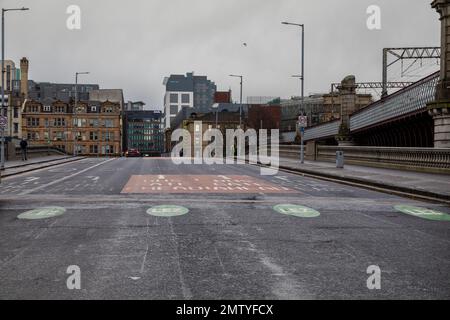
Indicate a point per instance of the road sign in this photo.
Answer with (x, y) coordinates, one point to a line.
(303, 121)
(3, 121)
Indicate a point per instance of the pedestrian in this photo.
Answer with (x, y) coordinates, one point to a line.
(23, 147)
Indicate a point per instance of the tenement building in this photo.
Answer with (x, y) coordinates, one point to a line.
(92, 128)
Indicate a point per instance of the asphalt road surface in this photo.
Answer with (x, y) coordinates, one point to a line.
(227, 241)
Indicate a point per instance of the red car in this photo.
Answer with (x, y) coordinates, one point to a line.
(132, 153)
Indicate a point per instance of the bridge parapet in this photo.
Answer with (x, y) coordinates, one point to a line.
(416, 159)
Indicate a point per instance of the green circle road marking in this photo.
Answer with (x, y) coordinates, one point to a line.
(167, 211)
(297, 211)
(423, 213)
(42, 213)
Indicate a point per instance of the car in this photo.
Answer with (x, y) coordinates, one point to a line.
(132, 153)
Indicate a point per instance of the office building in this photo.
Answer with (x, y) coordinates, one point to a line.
(187, 91)
(144, 131)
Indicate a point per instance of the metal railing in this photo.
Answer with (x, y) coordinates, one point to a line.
(329, 129)
(407, 101)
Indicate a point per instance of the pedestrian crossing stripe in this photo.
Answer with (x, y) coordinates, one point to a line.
(296, 211)
(42, 213)
(423, 213)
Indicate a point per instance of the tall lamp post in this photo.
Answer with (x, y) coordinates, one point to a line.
(302, 78)
(75, 112)
(5, 108)
(240, 106)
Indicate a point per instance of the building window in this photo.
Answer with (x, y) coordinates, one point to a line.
(109, 123)
(78, 136)
(33, 122)
(77, 122)
(59, 122)
(174, 110)
(34, 109)
(58, 135)
(16, 112)
(107, 149)
(58, 109)
(16, 128)
(173, 98)
(93, 122)
(93, 149)
(32, 136)
(108, 136)
(185, 98)
(108, 110)
(93, 109)
(93, 136)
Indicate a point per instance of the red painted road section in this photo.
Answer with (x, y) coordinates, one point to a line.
(200, 184)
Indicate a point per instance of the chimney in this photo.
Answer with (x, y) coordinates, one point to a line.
(24, 77)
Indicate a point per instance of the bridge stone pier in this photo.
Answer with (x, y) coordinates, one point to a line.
(347, 91)
(439, 109)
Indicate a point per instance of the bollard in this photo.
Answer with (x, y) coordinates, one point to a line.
(340, 159)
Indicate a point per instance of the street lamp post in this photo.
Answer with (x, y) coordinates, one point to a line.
(302, 78)
(75, 112)
(3, 108)
(240, 106)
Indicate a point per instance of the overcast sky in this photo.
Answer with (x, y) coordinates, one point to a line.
(134, 44)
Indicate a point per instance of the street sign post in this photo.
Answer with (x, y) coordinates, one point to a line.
(302, 123)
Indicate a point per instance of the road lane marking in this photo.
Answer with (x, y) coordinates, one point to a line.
(423, 213)
(296, 211)
(42, 213)
(63, 179)
(167, 211)
(173, 184)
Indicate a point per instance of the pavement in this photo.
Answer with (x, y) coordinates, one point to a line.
(232, 238)
(431, 185)
(15, 167)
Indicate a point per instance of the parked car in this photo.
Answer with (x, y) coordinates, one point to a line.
(132, 153)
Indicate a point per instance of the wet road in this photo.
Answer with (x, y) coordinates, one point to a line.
(231, 244)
